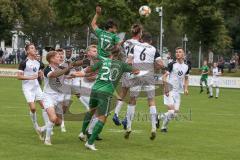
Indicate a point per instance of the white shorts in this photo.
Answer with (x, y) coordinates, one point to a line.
(174, 99)
(126, 82)
(143, 84)
(51, 100)
(76, 83)
(33, 94)
(86, 87)
(215, 82)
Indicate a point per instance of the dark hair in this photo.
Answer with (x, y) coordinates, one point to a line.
(110, 24)
(50, 55)
(28, 45)
(146, 37)
(136, 29)
(59, 50)
(180, 48)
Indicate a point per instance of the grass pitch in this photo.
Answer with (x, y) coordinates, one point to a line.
(211, 134)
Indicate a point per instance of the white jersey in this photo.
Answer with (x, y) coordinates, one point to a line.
(30, 68)
(177, 72)
(128, 45)
(51, 85)
(216, 73)
(144, 55)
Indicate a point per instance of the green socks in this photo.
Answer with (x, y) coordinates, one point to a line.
(96, 131)
(86, 121)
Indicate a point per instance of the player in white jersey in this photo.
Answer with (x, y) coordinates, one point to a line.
(29, 71)
(175, 81)
(136, 31)
(144, 57)
(216, 72)
(52, 91)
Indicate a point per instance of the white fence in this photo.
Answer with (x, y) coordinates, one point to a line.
(225, 82)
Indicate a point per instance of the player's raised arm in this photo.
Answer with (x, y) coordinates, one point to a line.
(94, 21)
(59, 72)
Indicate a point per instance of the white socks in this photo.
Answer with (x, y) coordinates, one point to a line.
(85, 101)
(49, 130)
(211, 90)
(34, 119)
(92, 124)
(153, 115)
(168, 116)
(118, 106)
(62, 124)
(130, 116)
(217, 92)
(45, 116)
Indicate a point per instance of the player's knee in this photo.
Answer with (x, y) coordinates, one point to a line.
(33, 109)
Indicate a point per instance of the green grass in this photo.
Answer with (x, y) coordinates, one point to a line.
(212, 134)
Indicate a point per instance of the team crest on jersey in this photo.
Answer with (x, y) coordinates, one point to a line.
(34, 69)
(180, 73)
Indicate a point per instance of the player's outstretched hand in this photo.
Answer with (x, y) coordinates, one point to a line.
(98, 10)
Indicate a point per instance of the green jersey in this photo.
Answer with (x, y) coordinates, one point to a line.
(204, 70)
(109, 74)
(106, 40)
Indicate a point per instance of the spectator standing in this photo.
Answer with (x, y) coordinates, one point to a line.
(221, 64)
(1, 55)
(210, 57)
(236, 58)
(18, 56)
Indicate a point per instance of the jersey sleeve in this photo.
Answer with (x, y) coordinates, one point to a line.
(96, 66)
(22, 66)
(170, 67)
(46, 71)
(188, 70)
(157, 56)
(98, 32)
(116, 39)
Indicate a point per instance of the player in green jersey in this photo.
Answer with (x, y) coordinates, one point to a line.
(107, 39)
(204, 76)
(109, 74)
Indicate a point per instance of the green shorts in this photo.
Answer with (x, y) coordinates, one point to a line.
(101, 102)
(204, 79)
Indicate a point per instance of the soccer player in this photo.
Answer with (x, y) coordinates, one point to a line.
(29, 71)
(216, 72)
(136, 31)
(86, 86)
(144, 57)
(62, 106)
(109, 73)
(204, 76)
(175, 81)
(107, 39)
(52, 91)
